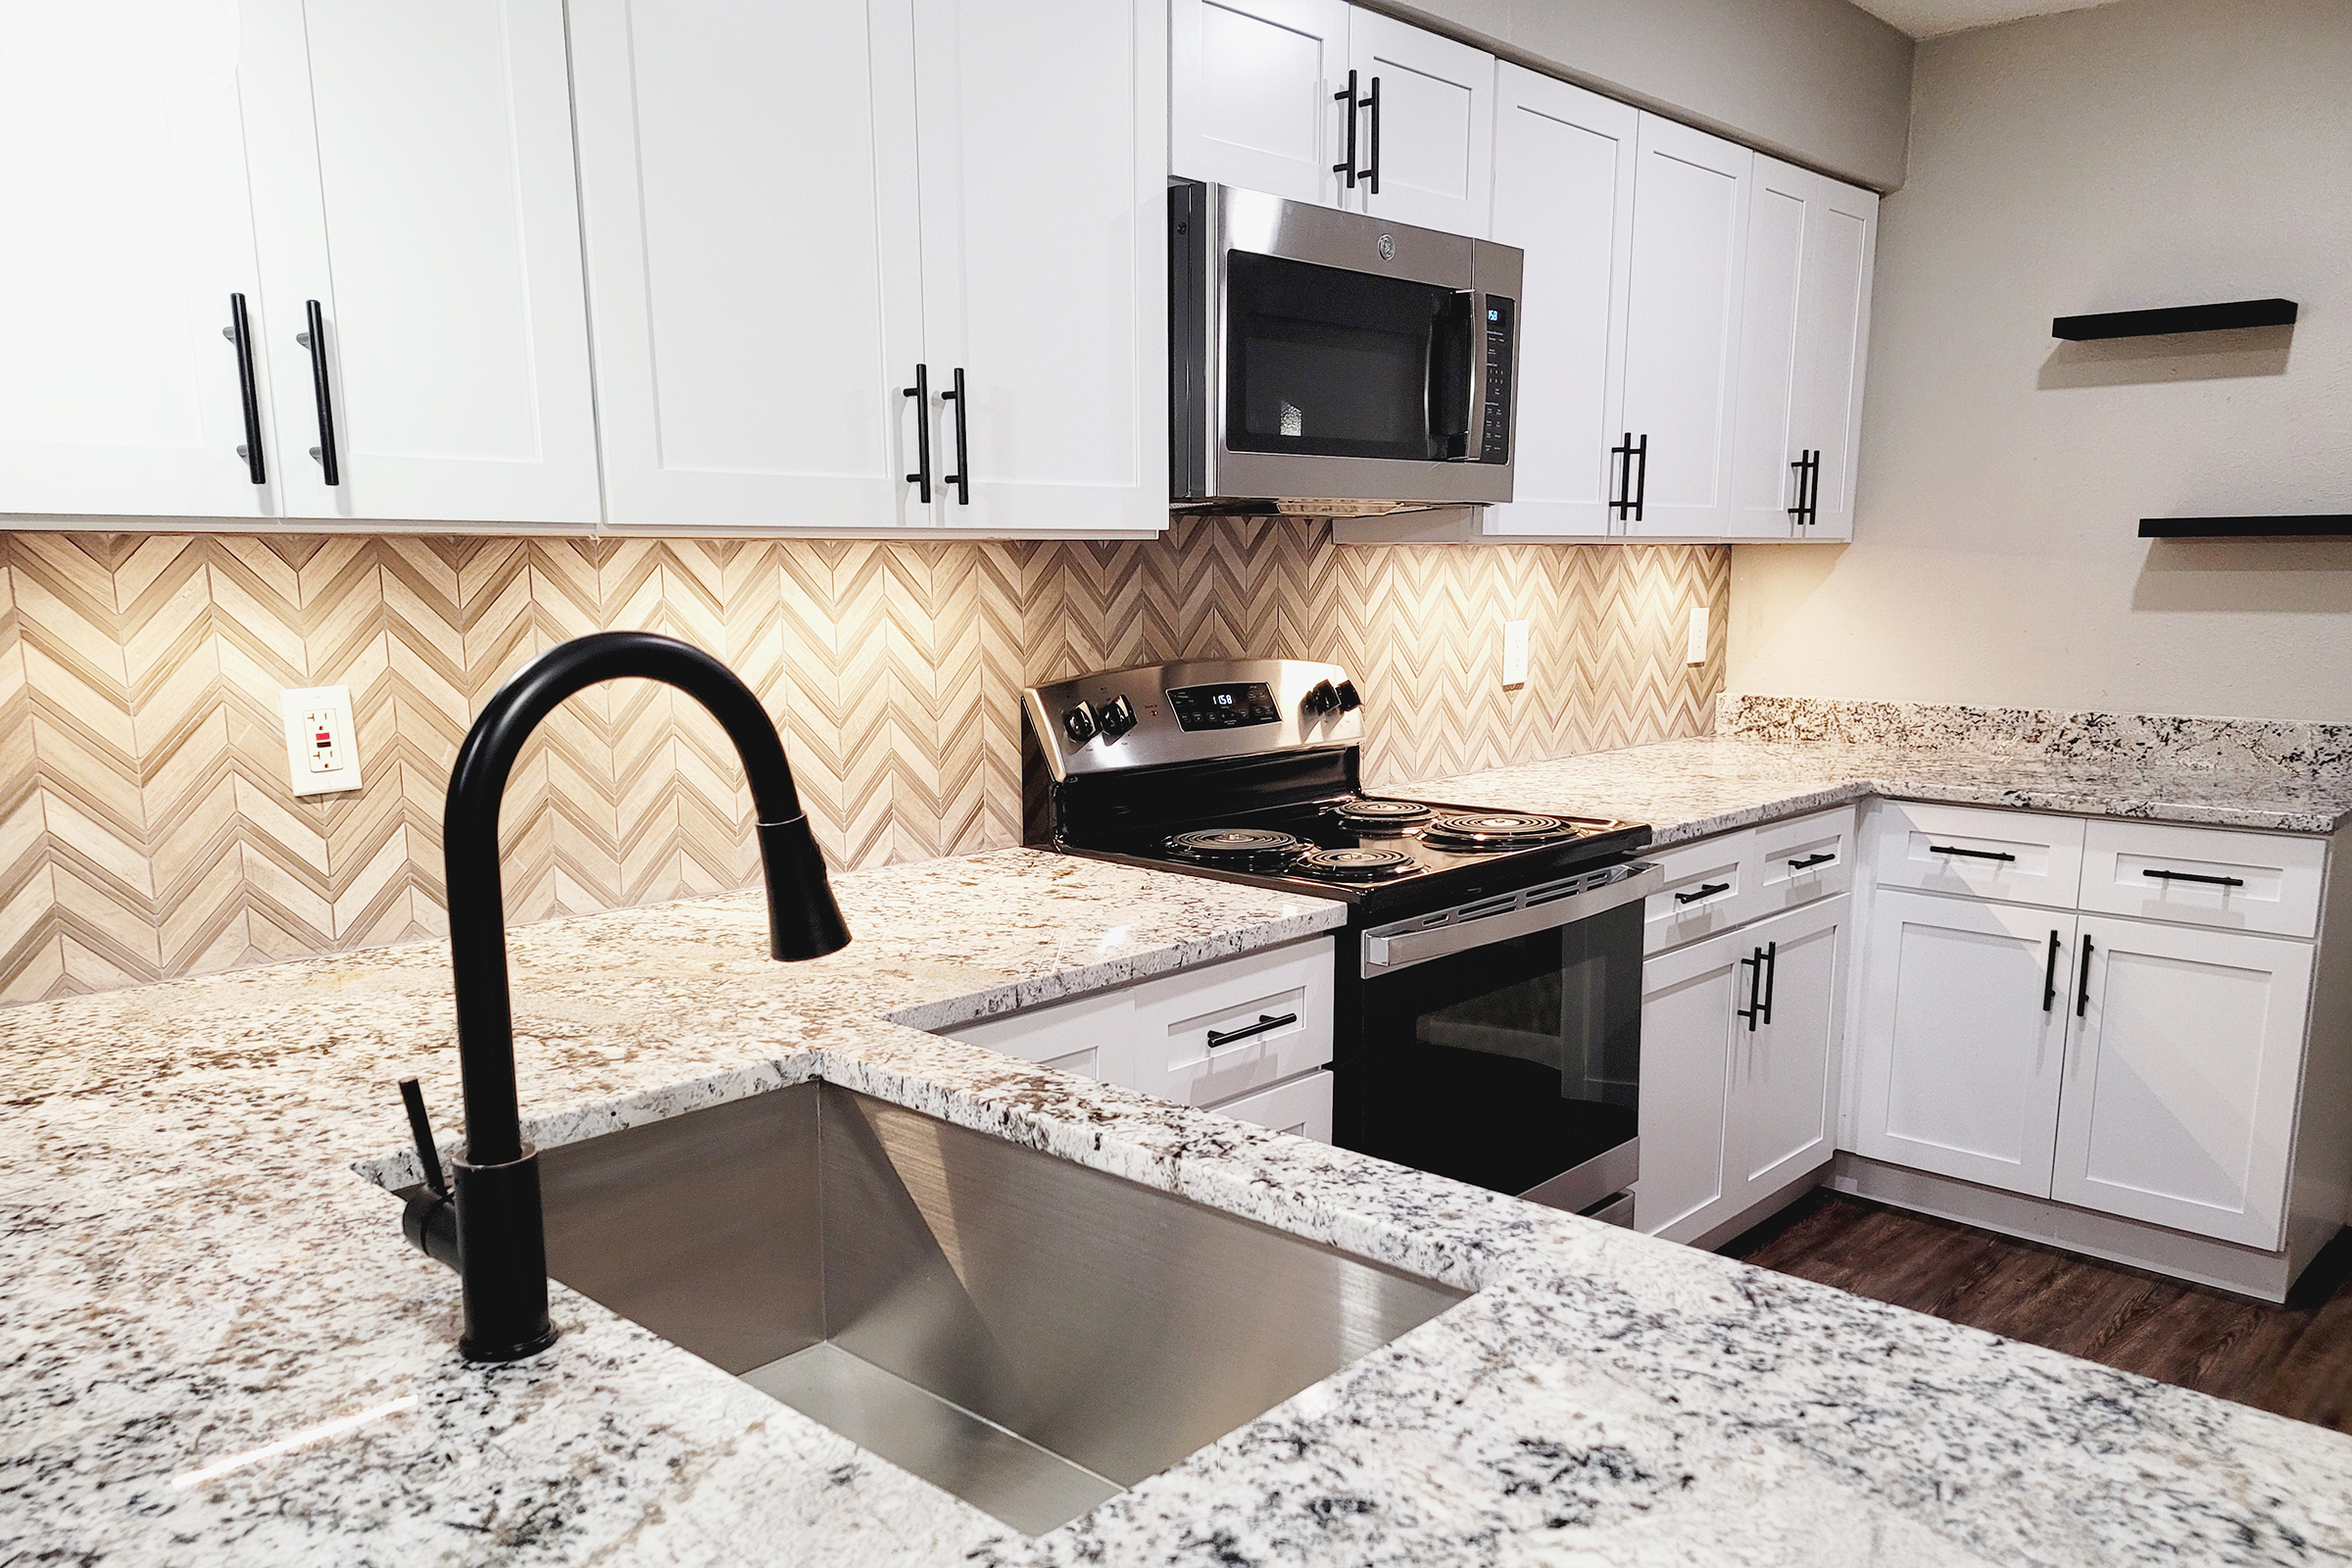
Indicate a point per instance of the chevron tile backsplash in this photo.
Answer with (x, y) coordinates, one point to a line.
(147, 828)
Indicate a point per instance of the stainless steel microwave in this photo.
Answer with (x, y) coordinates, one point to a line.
(1335, 363)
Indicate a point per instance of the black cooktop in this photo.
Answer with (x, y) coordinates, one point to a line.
(1381, 852)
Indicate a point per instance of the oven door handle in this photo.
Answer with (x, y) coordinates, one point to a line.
(1386, 953)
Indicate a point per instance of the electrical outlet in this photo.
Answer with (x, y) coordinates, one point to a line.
(322, 747)
(1695, 650)
(1515, 652)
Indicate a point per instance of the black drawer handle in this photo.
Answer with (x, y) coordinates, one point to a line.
(314, 339)
(239, 331)
(1267, 1022)
(2049, 975)
(1705, 890)
(1973, 855)
(2198, 876)
(2083, 996)
(1812, 860)
(920, 478)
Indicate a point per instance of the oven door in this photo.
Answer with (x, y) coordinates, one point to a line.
(1504, 1050)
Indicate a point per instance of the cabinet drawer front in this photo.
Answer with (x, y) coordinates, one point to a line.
(1710, 886)
(1807, 860)
(1301, 1106)
(2204, 876)
(1204, 1036)
(1069, 1036)
(2020, 855)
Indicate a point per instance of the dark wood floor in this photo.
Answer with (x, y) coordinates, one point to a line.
(2295, 1359)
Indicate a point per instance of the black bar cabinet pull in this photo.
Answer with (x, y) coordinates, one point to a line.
(1812, 860)
(2083, 993)
(2050, 974)
(2196, 876)
(1373, 102)
(920, 478)
(1621, 462)
(316, 341)
(1971, 854)
(1346, 166)
(240, 333)
(1772, 977)
(1642, 488)
(1705, 890)
(1627, 503)
(1809, 488)
(1267, 1022)
(1754, 964)
(961, 478)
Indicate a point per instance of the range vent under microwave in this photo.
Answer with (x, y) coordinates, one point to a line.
(1331, 363)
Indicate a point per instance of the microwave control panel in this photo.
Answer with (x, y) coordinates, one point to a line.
(1495, 441)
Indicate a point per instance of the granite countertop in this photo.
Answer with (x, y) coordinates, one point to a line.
(1774, 757)
(194, 1272)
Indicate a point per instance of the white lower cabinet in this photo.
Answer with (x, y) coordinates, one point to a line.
(1739, 1042)
(1964, 1014)
(1248, 1037)
(2180, 1101)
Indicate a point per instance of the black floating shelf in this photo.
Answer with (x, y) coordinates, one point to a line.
(2314, 526)
(2177, 318)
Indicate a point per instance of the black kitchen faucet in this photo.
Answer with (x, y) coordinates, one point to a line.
(487, 1224)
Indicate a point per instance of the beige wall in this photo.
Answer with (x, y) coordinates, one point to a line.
(1821, 83)
(2155, 151)
(147, 827)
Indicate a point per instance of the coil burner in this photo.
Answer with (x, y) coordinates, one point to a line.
(1369, 863)
(1495, 830)
(1246, 849)
(1382, 817)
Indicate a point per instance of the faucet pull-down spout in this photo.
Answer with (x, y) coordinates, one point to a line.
(499, 1235)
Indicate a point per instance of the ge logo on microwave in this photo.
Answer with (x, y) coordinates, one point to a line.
(1388, 247)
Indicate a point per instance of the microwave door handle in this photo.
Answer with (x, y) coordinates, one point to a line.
(1450, 392)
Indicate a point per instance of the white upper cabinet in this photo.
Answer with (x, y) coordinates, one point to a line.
(1691, 209)
(1564, 161)
(2179, 1102)
(413, 176)
(747, 182)
(1424, 137)
(1805, 310)
(123, 185)
(1250, 97)
(1043, 143)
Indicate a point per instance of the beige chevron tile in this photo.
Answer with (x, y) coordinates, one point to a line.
(99, 915)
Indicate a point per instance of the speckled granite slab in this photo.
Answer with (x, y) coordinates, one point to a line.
(190, 1272)
(1774, 757)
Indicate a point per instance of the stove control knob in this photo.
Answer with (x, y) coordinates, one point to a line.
(1078, 723)
(1349, 701)
(1319, 700)
(1115, 717)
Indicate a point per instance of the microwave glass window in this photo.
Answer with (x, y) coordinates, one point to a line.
(1331, 363)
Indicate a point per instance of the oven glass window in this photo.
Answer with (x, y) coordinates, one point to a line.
(1505, 1065)
(1329, 363)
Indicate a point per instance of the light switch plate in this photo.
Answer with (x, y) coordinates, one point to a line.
(1695, 653)
(323, 745)
(1515, 652)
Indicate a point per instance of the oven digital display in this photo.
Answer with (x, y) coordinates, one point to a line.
(1229, 706)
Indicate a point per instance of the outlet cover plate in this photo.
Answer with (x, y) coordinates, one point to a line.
(1515, 652)
(1695, 650)
(323, 745)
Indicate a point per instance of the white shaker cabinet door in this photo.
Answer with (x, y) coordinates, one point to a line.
(1427, 146)
(129, 226)
(1043, 135)
(1691, 209)
(414, 175)
(2179, 1102)
(1564, 194)
(1963, 1019)
(1783, 1124)
(1690, 998)
(748, 179)
(1251, 95)
(1804, 315)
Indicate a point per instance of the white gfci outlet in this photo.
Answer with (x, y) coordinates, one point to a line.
(1695, 653)
(1515, 652)
(322, 748)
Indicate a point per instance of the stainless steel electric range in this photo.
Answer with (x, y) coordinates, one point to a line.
(1488, 1004)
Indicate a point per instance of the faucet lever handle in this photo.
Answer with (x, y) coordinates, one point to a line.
(421, 1129)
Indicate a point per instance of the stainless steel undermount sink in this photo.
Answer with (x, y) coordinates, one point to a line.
(1026, 1333)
